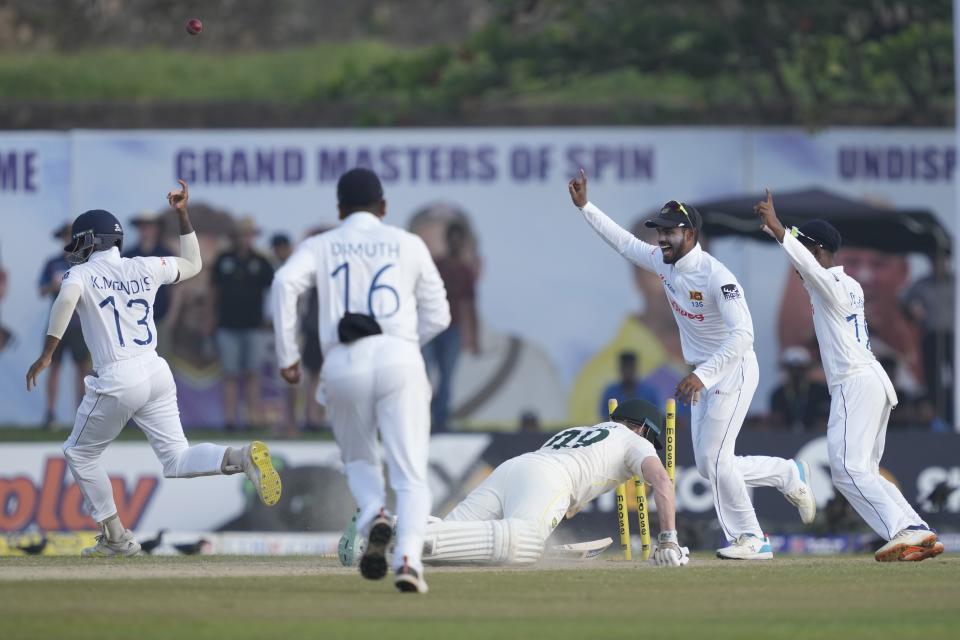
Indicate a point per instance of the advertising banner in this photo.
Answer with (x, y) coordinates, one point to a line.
(37, 491)
(557, 307)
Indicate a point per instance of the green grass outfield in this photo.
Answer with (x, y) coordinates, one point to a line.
(288, 598)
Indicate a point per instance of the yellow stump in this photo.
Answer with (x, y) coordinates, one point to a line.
(622, 514)
(671, 437)
(624, 520)
(643, 517)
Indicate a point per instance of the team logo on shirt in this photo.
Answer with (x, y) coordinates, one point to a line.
(696, 296)
(730, 291)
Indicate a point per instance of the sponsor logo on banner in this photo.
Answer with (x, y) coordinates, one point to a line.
(53, 505)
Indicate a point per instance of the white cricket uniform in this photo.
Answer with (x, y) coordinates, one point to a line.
(560, 478)
(130, 380)
(716, 335)
(377, 384)
(861, 394)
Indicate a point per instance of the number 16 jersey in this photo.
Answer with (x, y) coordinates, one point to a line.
(116, 303)
(595, 459)
(367, 267)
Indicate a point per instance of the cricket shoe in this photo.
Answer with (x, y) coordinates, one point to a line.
(802, 498)
(409, 580)
(352, 544)
(747, 547)
(373, 562)
(258, 466)
(916, 554)
(124, 547)
(911, 541)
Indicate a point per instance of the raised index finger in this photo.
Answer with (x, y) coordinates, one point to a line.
(186, 189)
(769, 196)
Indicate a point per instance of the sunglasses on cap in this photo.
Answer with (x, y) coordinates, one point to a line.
(804, 238)
(676, 205)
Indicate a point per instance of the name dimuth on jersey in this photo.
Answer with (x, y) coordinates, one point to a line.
(368, 249)
(103, 283)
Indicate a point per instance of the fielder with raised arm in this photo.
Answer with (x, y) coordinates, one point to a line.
(380, 298)
(861, 394)
(114, 297)
(716, 334)
(508, 518)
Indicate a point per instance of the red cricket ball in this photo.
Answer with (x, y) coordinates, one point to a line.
(194, 26)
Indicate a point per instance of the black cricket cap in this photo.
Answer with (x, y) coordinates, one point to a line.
(676, 214)
(359, 187)
(642, 414)
(820, 232)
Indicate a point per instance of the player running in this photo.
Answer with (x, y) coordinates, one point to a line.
(861, 394)
(114, 297)
(380, 297)
(716, 334)
(510, 515)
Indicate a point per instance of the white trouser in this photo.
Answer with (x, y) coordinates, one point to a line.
(142, 389)
(856, 433)
(379, 385)
(715, 423)
(521, 488)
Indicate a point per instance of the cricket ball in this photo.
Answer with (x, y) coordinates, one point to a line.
(194, 26)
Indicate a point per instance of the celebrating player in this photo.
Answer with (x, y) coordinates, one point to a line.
(114, 297)
(509, 516)
(716, 334)
(380, 297)
(861, 394)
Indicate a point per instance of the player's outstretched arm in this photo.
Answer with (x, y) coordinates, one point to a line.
(188, 262)
(60, 314)
(802, 259)
(668, 553)
(623, 242)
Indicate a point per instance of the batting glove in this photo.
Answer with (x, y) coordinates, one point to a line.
(669, 553)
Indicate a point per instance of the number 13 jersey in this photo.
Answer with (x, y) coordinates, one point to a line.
(116, 303)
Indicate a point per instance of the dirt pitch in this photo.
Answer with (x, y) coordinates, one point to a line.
(286, 598)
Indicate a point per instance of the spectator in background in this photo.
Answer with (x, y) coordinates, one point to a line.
(627, 386)
(241, 278)
(929, 303)
(926, 417)
(507, 374)
(529, 422)
(150, 245)
(801, 402)
(281, 247)
(460, 280)
(72, 341)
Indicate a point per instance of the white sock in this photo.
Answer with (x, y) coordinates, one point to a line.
(232, 461)
(113, 528)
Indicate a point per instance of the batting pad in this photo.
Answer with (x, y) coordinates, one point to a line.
(482, 542)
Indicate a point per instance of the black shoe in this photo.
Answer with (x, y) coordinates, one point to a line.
(373, 563)
(408, 580)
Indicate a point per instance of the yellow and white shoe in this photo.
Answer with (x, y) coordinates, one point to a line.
(915, 541)
(258, 466)
(125, 547)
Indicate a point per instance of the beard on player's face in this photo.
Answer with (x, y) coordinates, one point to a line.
(671, 242)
